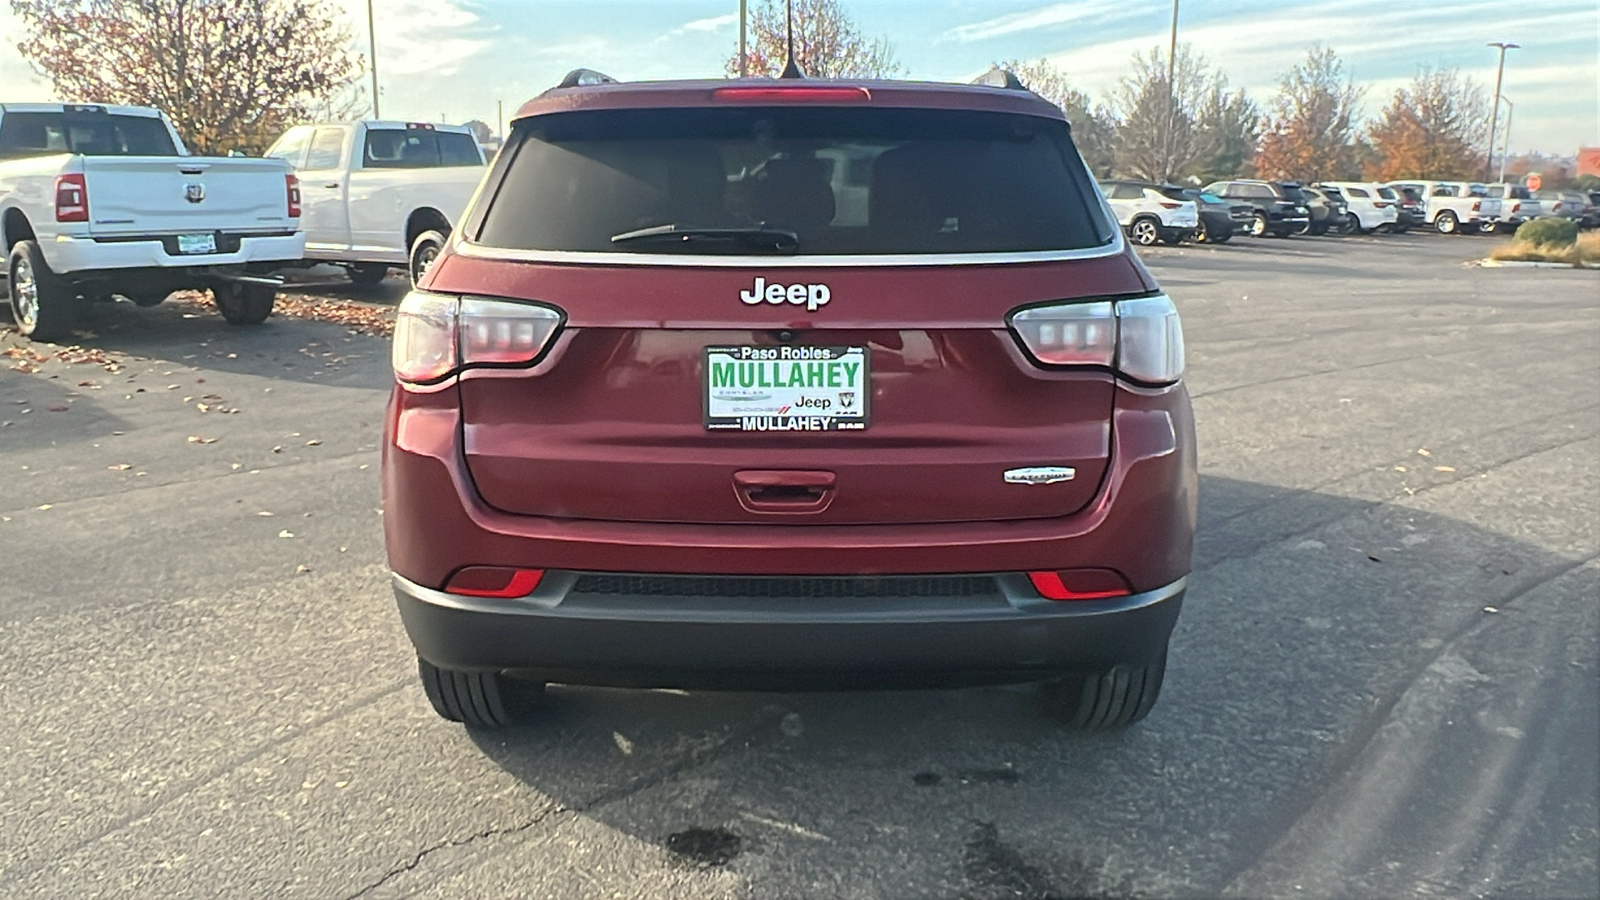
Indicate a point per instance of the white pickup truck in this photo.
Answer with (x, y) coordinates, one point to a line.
(1455, 207)
(101, 200)
(381, 194)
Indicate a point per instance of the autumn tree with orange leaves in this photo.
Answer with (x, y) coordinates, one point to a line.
(1311, 131)
(1429, 129)
(827, 43)
(231, 74)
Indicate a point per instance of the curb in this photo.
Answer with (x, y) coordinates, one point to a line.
(1526, 264)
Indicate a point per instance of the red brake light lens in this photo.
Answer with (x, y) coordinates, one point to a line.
(1167, 204)
(499, 332)
(292, 184)
(1072, 334)
(1141, 337)
(796, 94)
(494, 581)
(1080, 584)
(435, 335)
(72, 198)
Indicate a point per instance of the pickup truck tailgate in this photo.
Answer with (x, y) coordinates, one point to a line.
(169, 195)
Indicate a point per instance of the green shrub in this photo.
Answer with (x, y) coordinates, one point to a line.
(1549, 232)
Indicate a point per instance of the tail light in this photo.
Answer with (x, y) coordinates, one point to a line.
(72, 198)
(1167, 205)
(1080, 584)
(1141, 338)
(437, 335)
(292, 184)
(1477, 205)
(1382, 204)
(493, 581)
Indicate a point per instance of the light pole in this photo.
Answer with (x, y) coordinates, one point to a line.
(1172, 99)
(372, 45)
(1505, 143)
(1494, 114)
(744, 56)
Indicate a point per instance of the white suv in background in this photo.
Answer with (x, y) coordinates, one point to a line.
(1148, 215)
(1369, 205)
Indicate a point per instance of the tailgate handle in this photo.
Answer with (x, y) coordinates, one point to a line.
(784, 490)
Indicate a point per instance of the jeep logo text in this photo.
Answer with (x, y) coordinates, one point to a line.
(813, 296)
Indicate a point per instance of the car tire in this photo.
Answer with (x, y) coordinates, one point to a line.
(243, 302)
(1173, 238)
(1114, 698)
(368, 274)
(1258, 225)
(424, 250)
(1220, 237)
(1144, 231)
(1446, 223)
(43, 306)
(478, 699)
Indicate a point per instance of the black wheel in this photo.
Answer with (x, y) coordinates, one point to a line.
(1258, 225)
(1144, 232)
(478, 699)
(1220, 236)
(244, 303)
(424, 250)
(1172, 238)
(43, 306)
(368, 274)
(1120, 696)
(1446, 223)
(1345, 225)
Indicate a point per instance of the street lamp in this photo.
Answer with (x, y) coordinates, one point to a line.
(1172, 99)
(1505, 143)
(1494, 114)
(372, 44)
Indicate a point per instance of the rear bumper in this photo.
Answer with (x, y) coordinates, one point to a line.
(68, 254)
(689, 642)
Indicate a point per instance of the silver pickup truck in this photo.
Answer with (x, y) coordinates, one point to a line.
(100, 200)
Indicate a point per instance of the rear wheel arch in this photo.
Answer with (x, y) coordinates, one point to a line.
(14, 228)
(425, 219)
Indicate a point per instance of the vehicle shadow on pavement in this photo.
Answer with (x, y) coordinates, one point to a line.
(1342, 685)
(189, 331)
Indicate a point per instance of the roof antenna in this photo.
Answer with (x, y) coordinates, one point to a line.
(790, 69)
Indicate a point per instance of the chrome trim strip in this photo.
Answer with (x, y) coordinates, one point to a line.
(463, 247)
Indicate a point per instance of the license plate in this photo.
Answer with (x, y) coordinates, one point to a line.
(786, 388)
(197, 243)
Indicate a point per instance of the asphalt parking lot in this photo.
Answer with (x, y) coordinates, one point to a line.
(1383, 683)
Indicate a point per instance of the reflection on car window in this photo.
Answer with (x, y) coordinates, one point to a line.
(326, 149)
(846, 181)
(88, 133)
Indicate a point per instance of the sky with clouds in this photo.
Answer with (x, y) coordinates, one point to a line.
(454, 59)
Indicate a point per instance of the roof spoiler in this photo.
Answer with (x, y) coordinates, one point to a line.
(585, 78)
(997, 77)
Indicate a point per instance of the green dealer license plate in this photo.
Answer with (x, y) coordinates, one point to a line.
(786, 388)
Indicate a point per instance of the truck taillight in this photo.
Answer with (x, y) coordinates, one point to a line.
(292, 184)
(72, 198)
(1477, 206)
(437, 335)
(1141, 338)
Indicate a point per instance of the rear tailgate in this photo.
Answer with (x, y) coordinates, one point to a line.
(613, 425)
(137, 195)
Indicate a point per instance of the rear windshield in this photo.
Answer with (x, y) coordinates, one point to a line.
(1292, 193)
(88, 133)
(844, 181)
(418, 148)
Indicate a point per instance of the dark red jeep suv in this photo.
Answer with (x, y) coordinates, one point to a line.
(789, 384)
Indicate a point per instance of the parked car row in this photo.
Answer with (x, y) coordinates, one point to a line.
(1152, 213)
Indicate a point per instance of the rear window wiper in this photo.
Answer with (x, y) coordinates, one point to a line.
(759, 240)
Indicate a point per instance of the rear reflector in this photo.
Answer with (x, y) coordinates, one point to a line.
(797, 94)
(1080, 584)
(494, 581)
